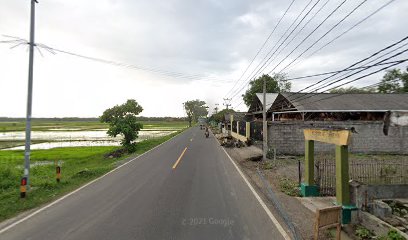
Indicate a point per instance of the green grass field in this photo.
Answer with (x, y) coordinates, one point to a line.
(79, 165)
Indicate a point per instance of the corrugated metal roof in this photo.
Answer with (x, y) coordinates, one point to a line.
(346, 101)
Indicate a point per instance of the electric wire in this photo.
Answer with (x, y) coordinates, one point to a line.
(263, 62)
(366, 64)
(345, 32)
(263, 45)
(297, 34)
(358, 62)
(165, 73)
(356, 79)
(324, 35)
(313, 31)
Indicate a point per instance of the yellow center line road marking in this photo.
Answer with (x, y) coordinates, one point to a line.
(179, 159)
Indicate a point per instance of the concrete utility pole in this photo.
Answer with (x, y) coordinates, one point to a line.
(30, 94)
(227, 102)
(265, 127)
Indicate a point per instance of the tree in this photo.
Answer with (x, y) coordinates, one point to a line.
(394, 81)
(275, 84)
(353, 90)
(122, 121)
(195, 109)
(219, 116)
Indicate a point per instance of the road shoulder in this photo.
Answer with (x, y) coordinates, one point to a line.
(291, 206)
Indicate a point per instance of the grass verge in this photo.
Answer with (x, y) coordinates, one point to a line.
(79, 166)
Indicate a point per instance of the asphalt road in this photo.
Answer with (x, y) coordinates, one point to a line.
(163, 194)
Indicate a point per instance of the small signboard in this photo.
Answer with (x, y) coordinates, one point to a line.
(338, 137)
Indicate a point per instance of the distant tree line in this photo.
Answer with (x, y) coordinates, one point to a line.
(393, 81)
(77, 119)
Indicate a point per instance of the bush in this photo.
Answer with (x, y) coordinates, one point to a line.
(392, 235)
(363, 233)
(289, 187)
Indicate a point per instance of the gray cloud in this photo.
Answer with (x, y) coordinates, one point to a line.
(200, 37)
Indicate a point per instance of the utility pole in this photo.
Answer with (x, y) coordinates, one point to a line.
(264, 127)
(29, 95)
(216, 108)
(227, 102)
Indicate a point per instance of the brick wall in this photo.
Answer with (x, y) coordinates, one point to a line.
(288, 138)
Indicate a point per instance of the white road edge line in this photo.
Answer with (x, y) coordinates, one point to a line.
(79, 189)
(268, 212)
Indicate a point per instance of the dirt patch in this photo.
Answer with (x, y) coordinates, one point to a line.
(116, 154)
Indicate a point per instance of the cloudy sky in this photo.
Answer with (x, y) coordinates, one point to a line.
(207, 44)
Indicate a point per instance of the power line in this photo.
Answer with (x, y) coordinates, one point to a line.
(263, 62)
(348, 30)
(115, 63)
(367, 64)
(297, 34)
(239, 104)
(249, 76)
(356, 79)
(324, 35)
(363, 60)
(263, 45)
(340, 71)
(154, 70)
(314, 30)
(354, 64)
(382, 69)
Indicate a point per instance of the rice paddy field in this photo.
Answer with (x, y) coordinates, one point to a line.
(51, 134)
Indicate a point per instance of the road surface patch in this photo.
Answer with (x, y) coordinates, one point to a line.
(261, 202)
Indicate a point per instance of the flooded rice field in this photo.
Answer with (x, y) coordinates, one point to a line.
(68, 138)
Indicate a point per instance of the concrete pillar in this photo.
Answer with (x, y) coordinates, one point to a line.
(342, 175)
(308, 188)
(342, 183)
(248, 130)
